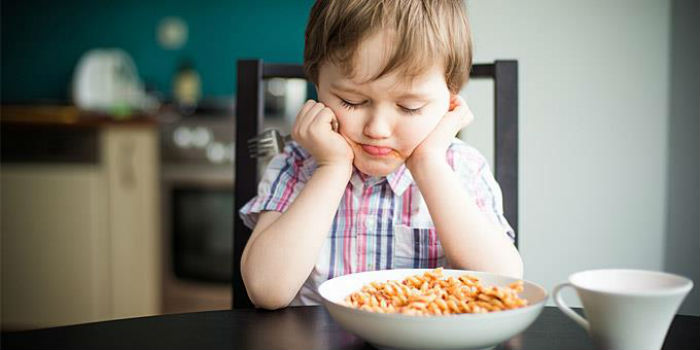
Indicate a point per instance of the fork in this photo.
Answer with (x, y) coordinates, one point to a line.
(267, 143)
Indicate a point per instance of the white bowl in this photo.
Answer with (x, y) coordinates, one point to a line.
(470, 331)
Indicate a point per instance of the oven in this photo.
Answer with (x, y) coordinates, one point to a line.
(197, 212)
(197, 169)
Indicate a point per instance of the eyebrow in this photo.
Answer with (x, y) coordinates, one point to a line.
(409, 95)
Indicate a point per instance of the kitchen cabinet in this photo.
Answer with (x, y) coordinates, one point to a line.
(80, 233)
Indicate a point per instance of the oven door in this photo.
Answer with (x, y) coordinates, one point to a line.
(197, 207)
(202, 233)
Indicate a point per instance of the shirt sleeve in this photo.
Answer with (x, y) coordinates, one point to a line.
(282, 181)
(476, 175)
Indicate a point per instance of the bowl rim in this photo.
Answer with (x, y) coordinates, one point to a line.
(496, 314)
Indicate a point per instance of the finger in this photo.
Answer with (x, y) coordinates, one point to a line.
(309, 117)
(335, 125)
(459, 120)
(324, 119)
(457, 101)
(465, 117)
(306, 107)
(453, 102)
(453, 122)
(304, 110)
(445, 130)
(468, 118)
(461, 115)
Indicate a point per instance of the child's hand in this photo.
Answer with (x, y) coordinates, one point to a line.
(316, 129)
(434, 146)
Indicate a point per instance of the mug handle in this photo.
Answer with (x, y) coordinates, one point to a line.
(565, 308)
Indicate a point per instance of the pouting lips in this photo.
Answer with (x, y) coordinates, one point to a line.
(376, 150)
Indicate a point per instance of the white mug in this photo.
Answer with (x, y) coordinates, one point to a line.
(625, 309)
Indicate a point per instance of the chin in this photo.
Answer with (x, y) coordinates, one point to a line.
(376, 168)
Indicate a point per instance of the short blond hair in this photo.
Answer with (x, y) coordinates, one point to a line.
(425, 32)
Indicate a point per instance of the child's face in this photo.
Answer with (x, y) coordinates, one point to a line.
(391, 116)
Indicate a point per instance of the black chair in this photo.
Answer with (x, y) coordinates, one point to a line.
(249, 122)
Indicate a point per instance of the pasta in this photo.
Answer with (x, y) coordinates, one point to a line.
(431, 294)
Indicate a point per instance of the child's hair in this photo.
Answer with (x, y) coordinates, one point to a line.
(422, 32)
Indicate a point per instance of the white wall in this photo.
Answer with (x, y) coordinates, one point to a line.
(597, 148)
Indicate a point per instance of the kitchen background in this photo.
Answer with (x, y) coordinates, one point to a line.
(43, 40)
(120, 213)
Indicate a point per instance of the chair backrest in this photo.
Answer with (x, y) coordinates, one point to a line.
(249, 122)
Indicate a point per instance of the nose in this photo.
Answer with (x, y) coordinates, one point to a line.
(377, 127)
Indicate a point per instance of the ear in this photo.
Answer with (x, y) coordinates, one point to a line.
(453, 102)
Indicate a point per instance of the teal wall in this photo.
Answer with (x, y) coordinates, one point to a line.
(43, 40)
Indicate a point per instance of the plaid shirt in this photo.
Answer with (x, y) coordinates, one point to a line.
(381, 222)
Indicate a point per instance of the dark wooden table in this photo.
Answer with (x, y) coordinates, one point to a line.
(292, 328)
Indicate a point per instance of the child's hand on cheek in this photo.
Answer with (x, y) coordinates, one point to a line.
(434, 146)
(315, 128)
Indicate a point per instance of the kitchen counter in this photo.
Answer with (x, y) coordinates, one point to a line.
(68, 116)
(81, 223)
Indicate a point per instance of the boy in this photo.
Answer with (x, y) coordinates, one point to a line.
(375, 178)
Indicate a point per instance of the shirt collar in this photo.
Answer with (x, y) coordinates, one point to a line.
(398, 180)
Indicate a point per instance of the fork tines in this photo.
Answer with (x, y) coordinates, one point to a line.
(265, 144)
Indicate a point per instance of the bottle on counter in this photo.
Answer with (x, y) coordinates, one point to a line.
(187, 89)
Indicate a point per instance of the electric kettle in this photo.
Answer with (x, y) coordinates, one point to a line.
(106, 80)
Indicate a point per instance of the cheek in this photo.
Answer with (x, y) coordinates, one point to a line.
(411, 137)
(346, 122)
(414, 132)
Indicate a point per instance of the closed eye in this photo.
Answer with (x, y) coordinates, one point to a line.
(350, 105)
(411, 110)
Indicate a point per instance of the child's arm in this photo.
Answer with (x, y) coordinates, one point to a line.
(471, 241)
(284, 247)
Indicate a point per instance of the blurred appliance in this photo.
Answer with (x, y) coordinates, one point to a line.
(197, 212)
(107, 79)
